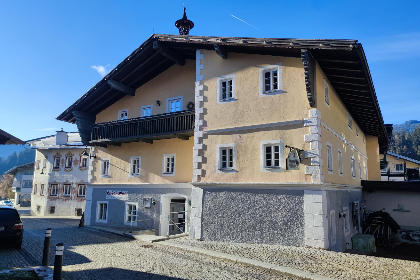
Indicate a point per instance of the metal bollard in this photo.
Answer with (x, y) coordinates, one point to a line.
(46, 252)
(58, 262)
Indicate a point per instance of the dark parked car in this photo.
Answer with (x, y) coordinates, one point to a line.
(11, 227)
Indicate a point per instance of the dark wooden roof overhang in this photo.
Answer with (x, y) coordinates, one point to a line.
(8, 139)
(343, 62)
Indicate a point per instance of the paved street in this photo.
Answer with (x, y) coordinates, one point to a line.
(92, 254)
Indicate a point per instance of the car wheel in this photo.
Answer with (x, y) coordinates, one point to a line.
(18, 244)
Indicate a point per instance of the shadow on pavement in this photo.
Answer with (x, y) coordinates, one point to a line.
(110, 273)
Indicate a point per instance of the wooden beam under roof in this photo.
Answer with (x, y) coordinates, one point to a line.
(121, 87)
(338, 61)
(168, 53)
(221, 51)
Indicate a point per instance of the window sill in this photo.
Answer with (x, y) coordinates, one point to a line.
(331, 172)
(228, 100)
(226, 170)
(105, 176)
(129, 224)
(101, 221)
(134, 175)
(168, 174)
(81, 196)
(272, 92)
(66, 195)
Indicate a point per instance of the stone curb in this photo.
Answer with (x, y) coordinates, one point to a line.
(246, 261)
(44, 272)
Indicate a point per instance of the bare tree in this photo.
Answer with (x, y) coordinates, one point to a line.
(6, 183)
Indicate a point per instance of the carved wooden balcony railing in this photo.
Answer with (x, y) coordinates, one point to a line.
(164, 126)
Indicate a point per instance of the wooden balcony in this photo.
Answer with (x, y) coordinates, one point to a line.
(144, 129)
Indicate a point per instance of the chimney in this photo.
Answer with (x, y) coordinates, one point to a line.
(61, 138)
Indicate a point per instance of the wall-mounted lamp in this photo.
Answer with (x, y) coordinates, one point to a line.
(158, 102)
(86, 155)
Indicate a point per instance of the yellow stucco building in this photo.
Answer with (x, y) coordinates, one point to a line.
(233, 139)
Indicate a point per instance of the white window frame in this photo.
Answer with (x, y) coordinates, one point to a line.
(119, 114)
(102, 167)
(38, 162)
(219, 158)
(42, 189)
(263, 167)
(78, 190)
(357, 130)
(262, 71)
(340, 162)
(44, 163)
(98, 211)
(327, 94)
(346, 221)
(333, 227)
(55, 167)
(222, 79)
(349, 122)
(126, 222)
(399, 164)
(353, 167)
(64, 190)
(35, 188)
(146, 107)
(330, 158)
(82, 159)
(131, 173)
(164, 157)
(360, 170)
(54, 187)
(168, 100)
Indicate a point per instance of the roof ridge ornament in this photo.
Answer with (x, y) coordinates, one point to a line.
(184, 24)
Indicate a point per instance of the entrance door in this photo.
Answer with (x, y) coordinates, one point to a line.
(177, 216)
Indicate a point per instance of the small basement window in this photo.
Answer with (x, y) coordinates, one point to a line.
(52, 210)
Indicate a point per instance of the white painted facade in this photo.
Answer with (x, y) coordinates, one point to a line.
(22, 183)
(60, 179)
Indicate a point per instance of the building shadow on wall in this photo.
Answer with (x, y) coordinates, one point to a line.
(111, 273)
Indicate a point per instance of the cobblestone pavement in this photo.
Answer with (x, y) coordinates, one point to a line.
(92, 254)
(321, 262)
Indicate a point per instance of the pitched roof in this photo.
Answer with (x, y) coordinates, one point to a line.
(343, 61)
(8, 139)
(15, 169)
(404, 157)
(74, 140)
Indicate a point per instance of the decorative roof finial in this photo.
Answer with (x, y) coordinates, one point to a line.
(184, 25)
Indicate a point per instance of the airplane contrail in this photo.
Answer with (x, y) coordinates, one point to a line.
(244, 22)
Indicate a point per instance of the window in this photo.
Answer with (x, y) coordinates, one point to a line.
(105, 168)
(81, 190)
(340, 162)
(353, 167)
(326, 94)
(44, 163)
(226, 158)
(42, 189)
(271, 158)
(270, 80)
(27, 184)
(366, 173)
(67, 190)
(37, 164)
(35, 188)
(226, 89)
(54, 188)
(83, 162)
(56, 163)
(69, 161)
(52, 209)
(168, 165)
(130, 213)
(399, 167)
(174, 104)
(146, 111)
(38, 209)
(122, 114)
(349, 121)
(329, 158)
(102, 212)
(346, 220)
(357, 131)
(135, 166)
(360, 170)
(333, 227)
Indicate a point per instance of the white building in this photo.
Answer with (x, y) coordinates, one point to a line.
(60, 176)
(22, 183)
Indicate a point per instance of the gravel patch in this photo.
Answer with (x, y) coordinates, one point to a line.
(326, 263)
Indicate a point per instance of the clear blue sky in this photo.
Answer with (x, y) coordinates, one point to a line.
(48, 48)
